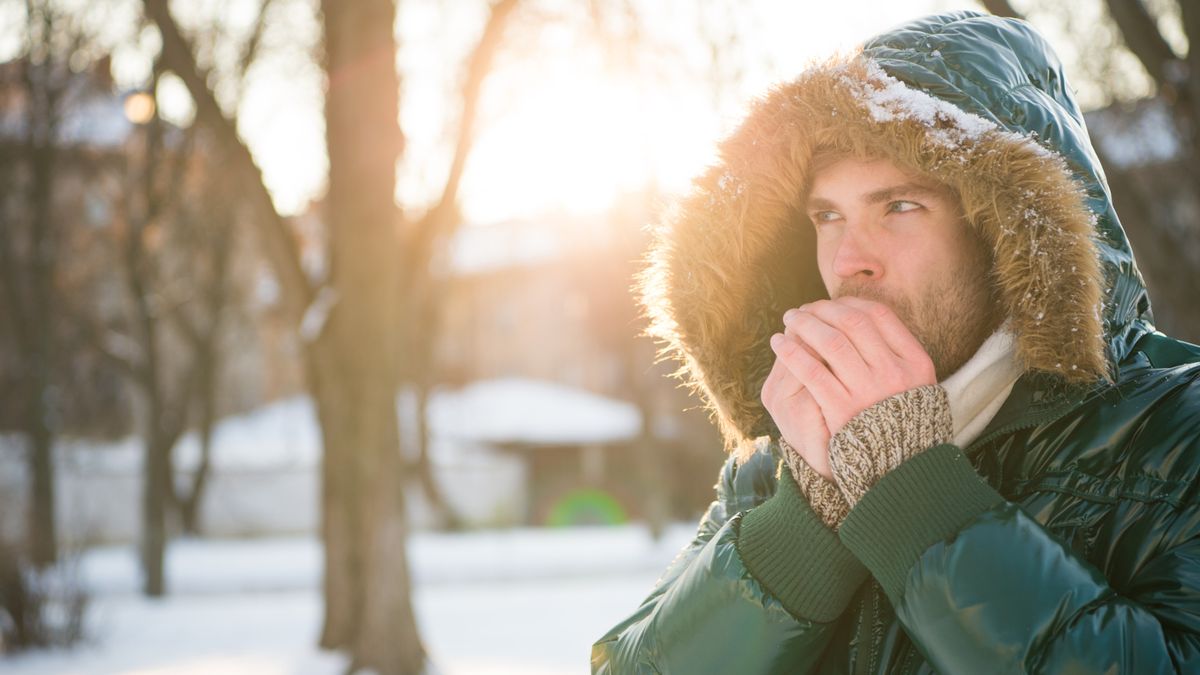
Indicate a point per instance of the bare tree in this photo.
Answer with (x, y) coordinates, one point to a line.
(209, 238)
(38, 84)
(353, 324)
(1176, 74)
(139, 341)
(432, 231)
(158, 281)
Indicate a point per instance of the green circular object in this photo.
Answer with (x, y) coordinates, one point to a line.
(586, 507)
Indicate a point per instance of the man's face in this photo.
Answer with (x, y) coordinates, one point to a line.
(887, 235)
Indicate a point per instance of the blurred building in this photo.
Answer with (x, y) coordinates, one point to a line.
(88, 151)
(515, 305)
(98, 138)
(550, 300)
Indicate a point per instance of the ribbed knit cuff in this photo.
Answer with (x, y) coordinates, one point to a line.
(885, 435)
(821, 494)
(921, 502)
(799, 560)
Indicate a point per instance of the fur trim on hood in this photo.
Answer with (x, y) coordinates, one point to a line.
(738, 250)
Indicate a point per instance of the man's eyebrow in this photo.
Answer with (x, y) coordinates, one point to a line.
(910, 189)
(819, 204)
(887, 194)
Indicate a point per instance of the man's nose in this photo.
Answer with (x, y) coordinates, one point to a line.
(856, 256)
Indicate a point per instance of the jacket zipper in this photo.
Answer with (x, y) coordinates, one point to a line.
(869, 633)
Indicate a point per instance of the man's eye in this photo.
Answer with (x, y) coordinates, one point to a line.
(901, 206)
(819, 217)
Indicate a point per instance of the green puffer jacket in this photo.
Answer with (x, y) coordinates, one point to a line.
(1065, 538)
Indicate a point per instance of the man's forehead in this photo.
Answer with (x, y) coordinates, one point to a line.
(871, 181)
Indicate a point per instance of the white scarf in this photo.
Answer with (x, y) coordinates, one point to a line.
(978, 389)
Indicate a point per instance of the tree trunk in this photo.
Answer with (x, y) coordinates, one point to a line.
(443, 513)
(340, 528)
(356, 355)
(207, 367)
(189, 505)
(368, 605)
(43, 121)
(1000, 8)
(653, 474)
(423, 324)
(42, 539)
(155, 477)
(42, 534)
(166, 406)
(163, 428)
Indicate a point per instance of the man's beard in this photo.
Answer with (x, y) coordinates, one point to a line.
(951, 319)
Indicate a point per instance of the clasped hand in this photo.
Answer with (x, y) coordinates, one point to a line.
(834, 359)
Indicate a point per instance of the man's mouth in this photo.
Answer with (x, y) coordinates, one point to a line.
(903, 310)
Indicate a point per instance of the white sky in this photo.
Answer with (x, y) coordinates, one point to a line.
(566, 130)
(564, 126)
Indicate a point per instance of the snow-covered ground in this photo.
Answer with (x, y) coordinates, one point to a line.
(517, 601)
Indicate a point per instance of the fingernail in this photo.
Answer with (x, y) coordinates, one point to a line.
(776, 340)
(788, 315)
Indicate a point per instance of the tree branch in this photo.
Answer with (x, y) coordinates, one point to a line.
(441, 219)
(250, 49)
(281, 248)
(1141, 35)
(119, 351)
(1001, 8)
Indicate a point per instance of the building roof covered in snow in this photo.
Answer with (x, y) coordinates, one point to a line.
(285, 433)
(535, 412)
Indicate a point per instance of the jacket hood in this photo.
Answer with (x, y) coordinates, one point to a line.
(975, 101)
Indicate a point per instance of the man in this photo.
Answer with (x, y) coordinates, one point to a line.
(960, 445)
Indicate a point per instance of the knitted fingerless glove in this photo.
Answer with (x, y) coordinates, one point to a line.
(886, 434)
(822, 494)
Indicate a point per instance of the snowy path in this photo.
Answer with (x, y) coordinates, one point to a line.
(523, 601)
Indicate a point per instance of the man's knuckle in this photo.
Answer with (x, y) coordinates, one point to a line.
(812, 370)
(852, 319)
(838, 344)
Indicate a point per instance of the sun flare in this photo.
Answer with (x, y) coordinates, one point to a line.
(578, 143)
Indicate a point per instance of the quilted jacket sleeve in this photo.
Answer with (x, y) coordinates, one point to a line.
(764, 580)
(981, 587)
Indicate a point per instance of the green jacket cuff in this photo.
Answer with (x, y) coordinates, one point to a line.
(924, 500)
(796, 558)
